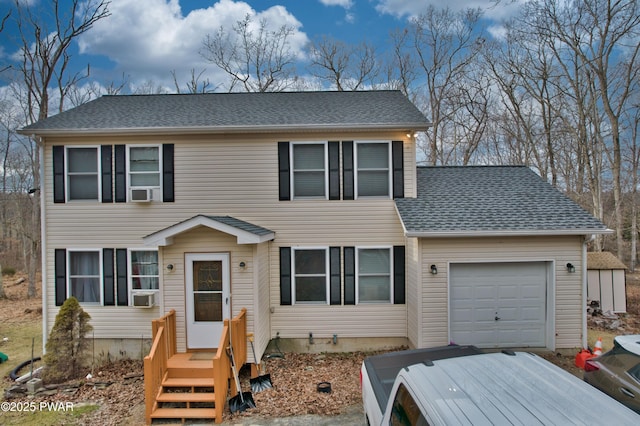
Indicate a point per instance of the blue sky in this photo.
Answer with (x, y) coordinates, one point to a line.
(147, 39)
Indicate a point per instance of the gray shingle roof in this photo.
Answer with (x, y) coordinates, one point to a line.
(227, 112)
(491, 200)
(241, 225)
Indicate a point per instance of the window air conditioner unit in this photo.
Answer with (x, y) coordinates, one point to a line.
(144, 300)
(141, 195)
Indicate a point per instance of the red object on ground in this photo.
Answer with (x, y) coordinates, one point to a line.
(582, 356)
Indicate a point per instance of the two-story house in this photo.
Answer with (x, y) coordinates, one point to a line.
(308, 210)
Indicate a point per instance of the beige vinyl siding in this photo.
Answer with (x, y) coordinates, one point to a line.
(567, 297)
(235, 176)
(413, 291)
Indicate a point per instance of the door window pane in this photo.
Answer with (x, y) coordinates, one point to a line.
(207, 290)
(82, 173)
(84, 276)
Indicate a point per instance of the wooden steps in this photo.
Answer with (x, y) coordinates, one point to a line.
(179, 413)
(187, 390)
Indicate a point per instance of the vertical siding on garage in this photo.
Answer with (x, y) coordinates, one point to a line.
(568, 311)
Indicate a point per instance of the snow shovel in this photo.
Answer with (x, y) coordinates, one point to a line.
(242, 400)
(263, 382)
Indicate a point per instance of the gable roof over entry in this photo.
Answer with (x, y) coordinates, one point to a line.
(246, 233)
(468, 201)
(236, 113)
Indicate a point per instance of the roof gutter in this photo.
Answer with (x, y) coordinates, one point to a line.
(403, 127)
(505, 233)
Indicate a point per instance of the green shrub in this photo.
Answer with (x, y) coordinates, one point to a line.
(8, 270)
(67, 344)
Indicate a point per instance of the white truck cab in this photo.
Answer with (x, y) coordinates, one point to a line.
(504, 388)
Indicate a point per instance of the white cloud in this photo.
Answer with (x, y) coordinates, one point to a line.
(150, 38)
(342, 3)
(494, 9)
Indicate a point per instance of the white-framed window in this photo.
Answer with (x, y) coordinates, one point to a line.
(374, 268)
(144, 165)
(309, 170)
(83, 173)
(85, 275)
(373, 168)
(310, 275)
(144, 273)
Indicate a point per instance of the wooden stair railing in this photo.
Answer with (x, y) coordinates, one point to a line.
(173, 372)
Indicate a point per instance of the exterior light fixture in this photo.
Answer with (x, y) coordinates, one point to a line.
(571, 268)
(434, 269)
(242, 264)
(170, 267)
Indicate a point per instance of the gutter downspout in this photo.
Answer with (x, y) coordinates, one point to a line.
(583, 271)
(43, 250)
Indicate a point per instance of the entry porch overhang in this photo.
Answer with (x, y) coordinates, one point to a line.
(245, 232)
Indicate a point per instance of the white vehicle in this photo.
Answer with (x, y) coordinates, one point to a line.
(459, 385)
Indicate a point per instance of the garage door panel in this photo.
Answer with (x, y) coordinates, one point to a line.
(516, 293)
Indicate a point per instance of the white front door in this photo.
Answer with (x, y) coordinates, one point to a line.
(207, 298)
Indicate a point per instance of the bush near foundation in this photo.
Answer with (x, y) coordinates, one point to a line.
(67, 345)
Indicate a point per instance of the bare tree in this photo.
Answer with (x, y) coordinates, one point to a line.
(344, 66)
(195, 84)
(604, 34)
(259, 60)
(445, 44)
(45, 60)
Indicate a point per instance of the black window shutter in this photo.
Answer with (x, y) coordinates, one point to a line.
(167, 173)
(58, 174)
(334, 275)
(398, 275)
(121, 277)
(349, 276)
(334, 170)
(121, 170)
(284, 183)
(285, 275)
(347, 170)
(108, 280)
(398, 169)
(106, 155)
(60, 258)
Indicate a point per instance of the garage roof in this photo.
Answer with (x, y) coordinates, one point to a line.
(491, 200)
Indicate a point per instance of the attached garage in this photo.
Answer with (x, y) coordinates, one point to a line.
(496, 305)
(487, 255)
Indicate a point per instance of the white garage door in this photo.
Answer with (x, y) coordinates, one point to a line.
(498, 305)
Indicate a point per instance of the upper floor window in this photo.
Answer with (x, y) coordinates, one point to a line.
(374, 275)
(144, 166)
(85, 276)
(144, 269)
(310, 275)
(309, 169)
(373, 175)
(83, 172)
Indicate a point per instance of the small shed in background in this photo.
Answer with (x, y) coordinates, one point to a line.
(606, 281)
